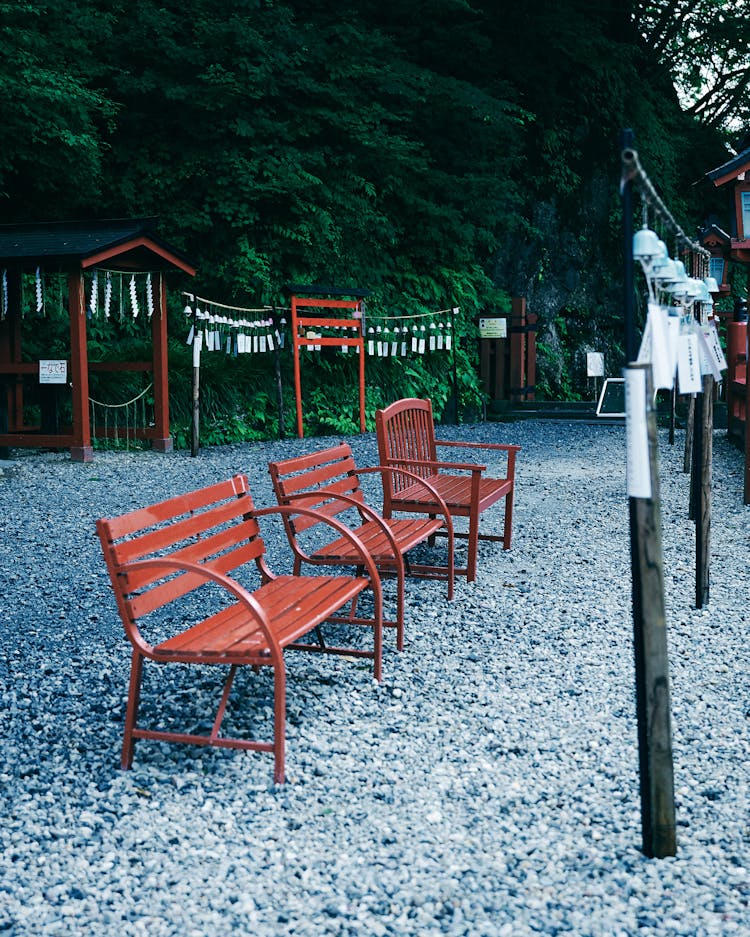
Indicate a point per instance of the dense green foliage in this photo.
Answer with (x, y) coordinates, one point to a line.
(439, 154)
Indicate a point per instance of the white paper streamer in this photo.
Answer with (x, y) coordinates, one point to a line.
(638, 474)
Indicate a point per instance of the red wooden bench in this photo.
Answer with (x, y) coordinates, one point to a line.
(406, 438)
(329, 481)
(159, 556)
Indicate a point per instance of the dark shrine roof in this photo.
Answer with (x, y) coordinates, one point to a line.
(83, 243)
(731, 168)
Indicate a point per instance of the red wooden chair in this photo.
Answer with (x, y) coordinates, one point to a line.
(329, 481)
(159, 555)
(406, 438)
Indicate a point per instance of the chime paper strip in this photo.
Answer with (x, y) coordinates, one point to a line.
(661, 358)
(712, 337)
(636, 432)
(197, 345)
(688, 364)
(709, 364)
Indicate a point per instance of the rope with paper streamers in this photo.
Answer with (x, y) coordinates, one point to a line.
(680, 339)
(124, 293)
(120, 415)
(236, 330)
(395, 337)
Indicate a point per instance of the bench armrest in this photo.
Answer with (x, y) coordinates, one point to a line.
(417, 479)
(367, 511)
(198, 569)
(289, 510)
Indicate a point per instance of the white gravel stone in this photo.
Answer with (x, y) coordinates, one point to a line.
(488, 787)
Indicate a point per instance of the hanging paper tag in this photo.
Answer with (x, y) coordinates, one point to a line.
(191, 333)
(688, 364)
(197, 345)
(673, 334)
(712, 337)
(709, 364)
(262, 343)
(661, 360)
(636, 433)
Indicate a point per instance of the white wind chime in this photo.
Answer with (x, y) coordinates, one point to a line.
(680, 339)
(232, 329)
(392, 340)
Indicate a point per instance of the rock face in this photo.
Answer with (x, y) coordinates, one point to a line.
(569, 268)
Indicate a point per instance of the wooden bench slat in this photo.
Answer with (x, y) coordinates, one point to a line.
(174, 507)
(154, 540)
(181, 583)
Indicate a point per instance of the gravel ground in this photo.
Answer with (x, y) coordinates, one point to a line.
(488, 786)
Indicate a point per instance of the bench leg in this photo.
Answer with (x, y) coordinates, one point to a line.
(131, 714)
(279, 723)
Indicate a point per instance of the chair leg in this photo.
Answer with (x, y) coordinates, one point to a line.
(131, 714)
(508, 520)
(471, 561)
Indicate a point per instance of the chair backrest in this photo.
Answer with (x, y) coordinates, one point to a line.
(406, 432)
(213, 526)
(328, 473)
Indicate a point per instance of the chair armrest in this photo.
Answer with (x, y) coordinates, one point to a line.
(428, 463)
(507, 447)
(510, 449)
(198, 569)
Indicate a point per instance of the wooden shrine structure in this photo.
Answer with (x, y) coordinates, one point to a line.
(71, 250)
(726, 247)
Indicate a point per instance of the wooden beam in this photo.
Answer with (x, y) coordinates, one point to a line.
(162, 441)
(81, 450)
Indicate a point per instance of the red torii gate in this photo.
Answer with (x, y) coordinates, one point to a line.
(72, 248)
(306, 321)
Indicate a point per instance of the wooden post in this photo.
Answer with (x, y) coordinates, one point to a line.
(672, 413)
(649, 628)
(746, 490)
(689, 429)
(81, 450)
(649, 619)
(517, 348)
(701, 488)
(161, 441)
(531, 326)
(277, 371)
(195, 434)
